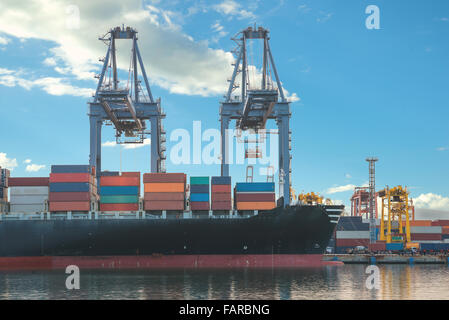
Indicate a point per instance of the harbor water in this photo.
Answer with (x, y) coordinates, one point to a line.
(328, 282)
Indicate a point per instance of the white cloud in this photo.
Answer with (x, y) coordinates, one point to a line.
(51, 61)
(442, 148)
(303, 8)
(324, 17)
(431, 201)
(51, 85)
(27, 161)
(4, 41)
(34, 167)
(348, 176)
(232, 8)
(6, 162)
(338, 189)
(127, 145)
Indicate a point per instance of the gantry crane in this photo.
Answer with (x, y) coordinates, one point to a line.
(126, 108)
(257, 103)
(396, 206)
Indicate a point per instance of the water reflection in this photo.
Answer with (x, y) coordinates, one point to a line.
(330, 282)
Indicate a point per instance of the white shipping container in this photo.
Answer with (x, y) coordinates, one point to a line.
(28, 190)
(437, 230)
(352, 235)
(28, 199)
(26, 208)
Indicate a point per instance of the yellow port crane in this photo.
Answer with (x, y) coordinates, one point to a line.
(396, 206)
(312, 198)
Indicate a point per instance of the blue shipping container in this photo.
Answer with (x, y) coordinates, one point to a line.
(199, 197)
(255, 186)
(119, 190)
(71, 169)
(199, 188)
(221, 180)
(70, 187)
(110, 173)
(395, 246)
(434, 246)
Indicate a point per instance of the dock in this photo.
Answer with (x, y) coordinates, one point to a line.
(387, 259)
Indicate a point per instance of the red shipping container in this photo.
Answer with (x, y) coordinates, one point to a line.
(378, 246)
(164, 196)
(71, 177)
(28, 182)
(119, 206)
(426, 236)
(199, 205)
(69, 206)
(163, 205)
(221, 205)
(119, 181)
(255, 197)
(221, 188)
(164, 177)
(221, 197)
(442, 223)
(352, 242)
(131, 174)
(69, 196)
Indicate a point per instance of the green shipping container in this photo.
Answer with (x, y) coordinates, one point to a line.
(199, 180)
(119, 199)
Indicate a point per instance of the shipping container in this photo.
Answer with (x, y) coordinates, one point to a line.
(194, 206)
(425, 236)
(420, 223)
(28, 199)
(395, 246)
(221, 188)
(28, 182)
(352, 242)
(27, 208)
(255, 197)
(434, 229)
(119, 207)
(352, 235)
(221, 181)
(221, 205)
(71, 169)
(110, 173)
(199, 197)
(71, 177)
(164, 177)
(119, 199)
(254, 186)
(434, 246)
(199, 180)
(163, 205)
(199, 188)
(221, 197)
(441, 223)
(119, 190)
(70, 196)
(131, 174)
(70, 187)
(164, 187)
(378, 246)
(70, 206)
(28, 190)
(119, 181)
(164, 196)
(255, 205)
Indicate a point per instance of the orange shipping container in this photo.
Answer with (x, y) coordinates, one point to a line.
(119, 181)
(70, 206)
(421, 223)
(445, 230)
(131, 174)
(255, 205)
(164, 187)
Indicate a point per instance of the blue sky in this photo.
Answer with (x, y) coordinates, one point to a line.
(361, 92)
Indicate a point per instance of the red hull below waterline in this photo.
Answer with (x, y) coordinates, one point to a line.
(164, 262)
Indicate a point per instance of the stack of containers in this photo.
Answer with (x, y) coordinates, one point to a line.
(199, 194)
(4, 175)
(444, 224)
(120, 193)
(350, 233)
(72, 188)
(254, 196)
(424, 234)
(28, 194)
(164, 191)
(221, 193)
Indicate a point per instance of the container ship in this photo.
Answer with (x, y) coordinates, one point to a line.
(69, 218)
